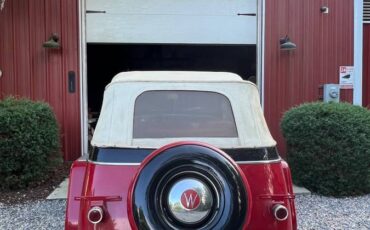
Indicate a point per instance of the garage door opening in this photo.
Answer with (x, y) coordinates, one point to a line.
(194, 35)
(106, 60)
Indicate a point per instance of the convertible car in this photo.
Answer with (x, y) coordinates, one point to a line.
(181, 150)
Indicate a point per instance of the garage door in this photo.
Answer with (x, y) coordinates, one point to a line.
(172, 21)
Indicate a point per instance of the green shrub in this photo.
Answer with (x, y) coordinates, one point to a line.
(29, 142)
(329, 147)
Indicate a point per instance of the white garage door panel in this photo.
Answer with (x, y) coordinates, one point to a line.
(171, 29)
(207, 7)
(172, 21)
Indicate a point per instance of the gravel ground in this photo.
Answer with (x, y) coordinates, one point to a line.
(44, 214)
(317, 212)
(314, 212)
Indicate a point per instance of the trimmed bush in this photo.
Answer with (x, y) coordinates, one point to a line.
(329, 147)
(29, 142)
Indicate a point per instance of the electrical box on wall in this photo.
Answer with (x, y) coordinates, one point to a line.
(331, 93)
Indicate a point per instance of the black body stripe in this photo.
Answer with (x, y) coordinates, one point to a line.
(130, 155)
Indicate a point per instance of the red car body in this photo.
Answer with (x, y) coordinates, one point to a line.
(111, 187)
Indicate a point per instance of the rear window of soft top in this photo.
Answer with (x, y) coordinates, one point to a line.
(179, 113)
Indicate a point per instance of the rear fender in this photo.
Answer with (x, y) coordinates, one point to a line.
(289, 183)
(75, 187)
(270, 185)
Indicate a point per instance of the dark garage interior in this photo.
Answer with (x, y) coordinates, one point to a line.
(106, 60)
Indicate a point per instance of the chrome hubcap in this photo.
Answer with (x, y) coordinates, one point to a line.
(190, 200)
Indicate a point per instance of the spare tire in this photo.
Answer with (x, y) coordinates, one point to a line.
(188, 185)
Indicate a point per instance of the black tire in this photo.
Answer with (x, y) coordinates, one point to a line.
(184, 161)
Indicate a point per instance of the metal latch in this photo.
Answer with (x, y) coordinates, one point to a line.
(247, 14)
(96, 11)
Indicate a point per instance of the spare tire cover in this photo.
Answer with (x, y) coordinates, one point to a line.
(188, 185)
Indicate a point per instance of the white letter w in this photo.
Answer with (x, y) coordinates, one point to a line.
(190, 201)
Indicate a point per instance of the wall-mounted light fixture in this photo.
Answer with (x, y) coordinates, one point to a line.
(53, 42)
(2, 3)
(324, 9)
(286, 44)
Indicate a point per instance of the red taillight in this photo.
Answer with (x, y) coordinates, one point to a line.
(95, 215)
(280, 212)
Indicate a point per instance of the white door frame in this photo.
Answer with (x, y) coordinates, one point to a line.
(83, 78)
(261, 49)
(83, 65)
(357, 51)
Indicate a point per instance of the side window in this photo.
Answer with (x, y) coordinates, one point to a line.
(168, 113)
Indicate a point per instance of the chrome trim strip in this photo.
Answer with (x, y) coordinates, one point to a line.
(258, 162)
(113, 163)
(137, 164)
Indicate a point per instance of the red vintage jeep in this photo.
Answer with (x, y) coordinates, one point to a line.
(181, 150)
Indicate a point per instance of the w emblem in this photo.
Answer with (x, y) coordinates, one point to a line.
(190, 199)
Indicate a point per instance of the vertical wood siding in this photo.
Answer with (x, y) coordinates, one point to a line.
(324, 42)
(31, 71)
(366, 66)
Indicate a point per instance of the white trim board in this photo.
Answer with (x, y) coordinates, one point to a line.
(358, 53)
(261, 50)
(83, 78)
(171, 22)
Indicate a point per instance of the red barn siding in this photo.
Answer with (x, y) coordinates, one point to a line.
(324, 42)
(31, 71)
(366, 66)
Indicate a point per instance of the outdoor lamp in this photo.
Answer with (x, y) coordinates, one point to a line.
(53, 42)
(286, 44)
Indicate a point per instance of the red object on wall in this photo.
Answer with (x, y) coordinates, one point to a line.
(32, 71)
(324, 42)
(366, 66)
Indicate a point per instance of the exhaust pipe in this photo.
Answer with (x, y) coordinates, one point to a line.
(95, 215)
(280, 212)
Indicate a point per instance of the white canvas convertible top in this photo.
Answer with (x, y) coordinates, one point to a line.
(115, 125)
(176, 76)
